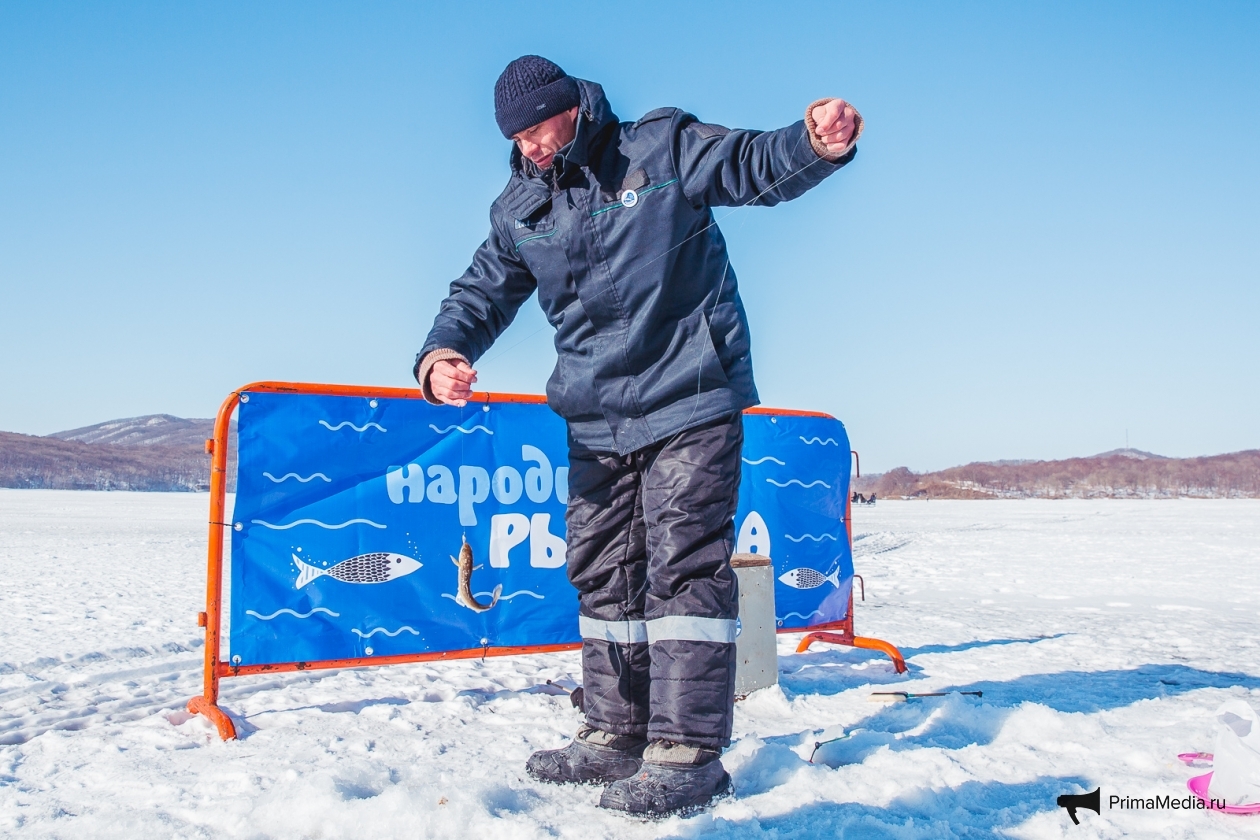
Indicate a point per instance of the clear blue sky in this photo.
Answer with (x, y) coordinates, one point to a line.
(1051, 233)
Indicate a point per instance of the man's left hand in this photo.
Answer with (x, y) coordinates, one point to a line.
(835, 123)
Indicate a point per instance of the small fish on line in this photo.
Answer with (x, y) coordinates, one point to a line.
(465, 597)
(806, 578)
(377, 567)
(903, 696)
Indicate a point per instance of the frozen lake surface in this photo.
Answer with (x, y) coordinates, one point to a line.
(1103, 634)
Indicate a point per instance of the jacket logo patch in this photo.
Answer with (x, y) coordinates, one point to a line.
(629, 198)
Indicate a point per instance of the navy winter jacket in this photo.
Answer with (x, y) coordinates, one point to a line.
(620, 241)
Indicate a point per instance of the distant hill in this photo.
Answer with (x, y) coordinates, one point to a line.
(157, 452)
(1121, 473)
(144, 431)
(1135, 454)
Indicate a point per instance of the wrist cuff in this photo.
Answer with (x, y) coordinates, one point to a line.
(424, 366)
(820, 148)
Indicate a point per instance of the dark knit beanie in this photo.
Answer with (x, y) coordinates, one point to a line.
(530, 90)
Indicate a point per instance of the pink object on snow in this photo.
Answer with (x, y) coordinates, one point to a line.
(1191, 758)
(1199, 787)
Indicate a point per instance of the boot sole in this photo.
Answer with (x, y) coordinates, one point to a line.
(604, 781)
(726, 790)
(598, 780)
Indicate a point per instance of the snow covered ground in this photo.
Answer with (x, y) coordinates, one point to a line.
(1102, 633)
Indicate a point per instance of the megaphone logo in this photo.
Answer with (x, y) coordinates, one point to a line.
(1072, 801)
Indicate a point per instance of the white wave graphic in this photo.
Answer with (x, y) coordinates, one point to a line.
(298, 522)
(797, 615)
(460, 429)
(818, 440)
(797, 481)
(287, 476)
(804, 537)
(763, 460)
(345, 423)
(514, 594)
(362, 635)
(501, 597)
(286, 610)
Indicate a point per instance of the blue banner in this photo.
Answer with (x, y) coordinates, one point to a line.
(351, 513)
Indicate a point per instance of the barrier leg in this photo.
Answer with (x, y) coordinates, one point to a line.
(858, 642)
(211, 619)
(206, 706)
(847, 637)
(885, 647)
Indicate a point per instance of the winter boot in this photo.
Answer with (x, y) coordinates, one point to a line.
(674, 778)
(592, 757)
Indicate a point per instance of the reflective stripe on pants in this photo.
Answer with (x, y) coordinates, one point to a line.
(621, 632)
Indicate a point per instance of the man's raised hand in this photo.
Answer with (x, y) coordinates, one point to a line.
(452, 381)
(835, 123)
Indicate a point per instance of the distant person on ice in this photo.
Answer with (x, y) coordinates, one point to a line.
(612, 223)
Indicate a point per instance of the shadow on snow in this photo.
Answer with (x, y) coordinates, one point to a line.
(979, 643)
(970, 810)
(1095, 691)
(958, 721)
(817, 671)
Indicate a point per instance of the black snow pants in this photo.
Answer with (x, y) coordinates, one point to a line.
(650, 536)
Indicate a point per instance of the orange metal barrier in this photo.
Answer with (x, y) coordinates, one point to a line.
(207, 703)
(846, 635)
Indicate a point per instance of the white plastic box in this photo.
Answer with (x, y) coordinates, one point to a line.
(755, 645)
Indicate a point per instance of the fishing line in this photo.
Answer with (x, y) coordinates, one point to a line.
(718, 298)
(619, 669)
(621, 664)
(714, 221)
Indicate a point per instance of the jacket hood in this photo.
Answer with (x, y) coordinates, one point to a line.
(596, 113)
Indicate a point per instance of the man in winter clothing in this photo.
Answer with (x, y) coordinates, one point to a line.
(612, 224)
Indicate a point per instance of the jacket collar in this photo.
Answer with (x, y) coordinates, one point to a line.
(594, 118)
(530, 188)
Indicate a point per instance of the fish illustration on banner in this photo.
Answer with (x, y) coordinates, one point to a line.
(805, 578)
(397, 480)
(378, 567)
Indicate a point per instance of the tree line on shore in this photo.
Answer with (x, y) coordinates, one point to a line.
(1112, 475)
